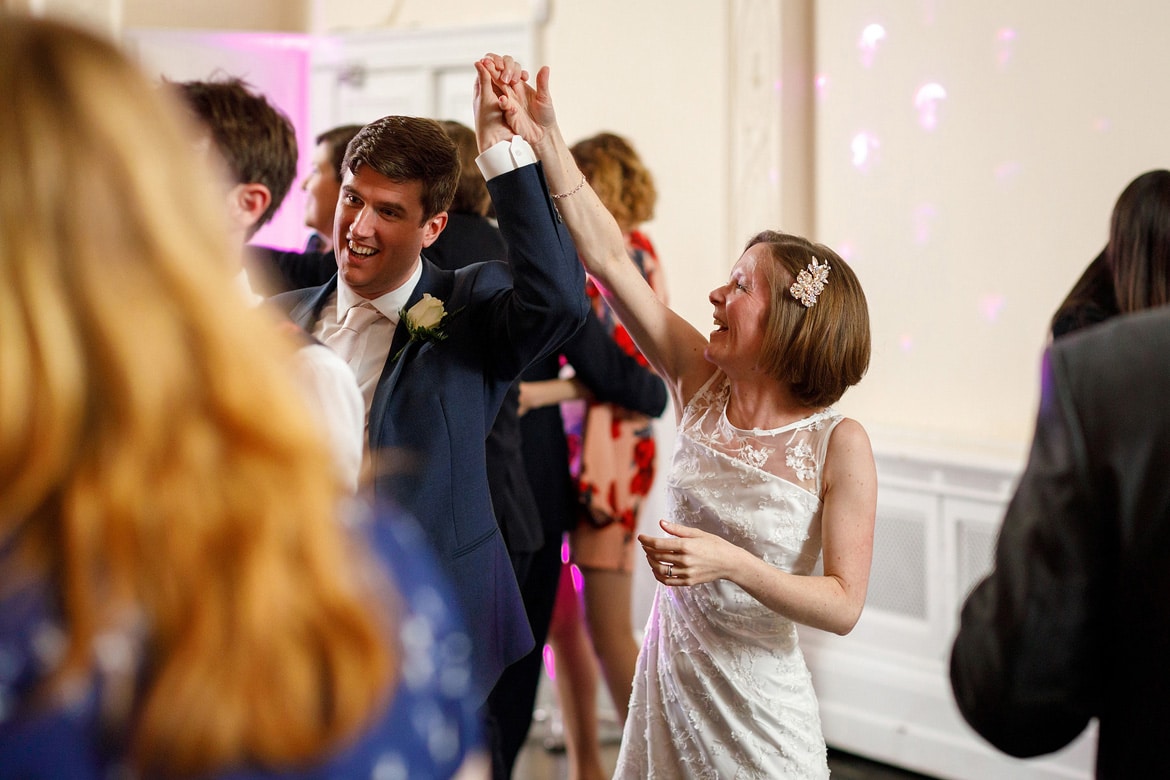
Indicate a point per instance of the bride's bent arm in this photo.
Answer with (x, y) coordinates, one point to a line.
(831, 602)
(673, 347)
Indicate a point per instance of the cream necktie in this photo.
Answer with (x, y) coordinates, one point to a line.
(348, 341)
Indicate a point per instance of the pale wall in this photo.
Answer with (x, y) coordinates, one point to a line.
(965, 236)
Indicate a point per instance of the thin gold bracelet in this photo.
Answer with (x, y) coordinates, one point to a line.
(573, 191)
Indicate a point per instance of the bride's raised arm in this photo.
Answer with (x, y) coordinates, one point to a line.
(672, 345)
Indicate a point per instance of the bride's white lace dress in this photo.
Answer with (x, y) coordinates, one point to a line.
(722, 690)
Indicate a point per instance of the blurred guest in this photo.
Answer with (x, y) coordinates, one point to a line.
(255, 144)
(273, 270)
(1133, 272)
(469, 237)
(182, 590)
(322, 185)
(1074, 621)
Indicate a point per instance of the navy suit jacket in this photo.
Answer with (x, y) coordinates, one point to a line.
(436, 401)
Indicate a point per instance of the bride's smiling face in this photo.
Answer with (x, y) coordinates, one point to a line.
(741, 313)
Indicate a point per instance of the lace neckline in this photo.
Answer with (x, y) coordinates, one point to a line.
(803, 422)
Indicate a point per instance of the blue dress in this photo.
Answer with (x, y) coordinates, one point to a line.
(429, 729)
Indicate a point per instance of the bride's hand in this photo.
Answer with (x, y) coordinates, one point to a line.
(529, 112)
(687, 556)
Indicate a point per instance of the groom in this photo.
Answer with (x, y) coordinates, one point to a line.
(433, 384)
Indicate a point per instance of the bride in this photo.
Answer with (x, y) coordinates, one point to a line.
(766, 476)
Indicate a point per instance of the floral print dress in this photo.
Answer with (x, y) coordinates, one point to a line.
(616, 448)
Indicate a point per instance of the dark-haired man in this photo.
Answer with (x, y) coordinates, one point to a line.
(434, 383)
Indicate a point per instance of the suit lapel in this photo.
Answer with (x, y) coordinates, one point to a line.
(436, 283)
(307, 312)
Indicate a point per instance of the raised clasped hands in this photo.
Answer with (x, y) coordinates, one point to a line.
(503, 94)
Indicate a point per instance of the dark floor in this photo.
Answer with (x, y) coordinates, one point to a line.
(538, 762)
(843, 766)
(543, 757)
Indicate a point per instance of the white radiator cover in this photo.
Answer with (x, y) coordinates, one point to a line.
(884, 689)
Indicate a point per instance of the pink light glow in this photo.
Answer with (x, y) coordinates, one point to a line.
(1005, 45)
(550, 662)
(927, 100)
(1006, 171)
(565, 550)
(991, 305)
(821, 86)
(906, 343)
(867, 44)
(864, 146)
(578, 578)
(924, 216)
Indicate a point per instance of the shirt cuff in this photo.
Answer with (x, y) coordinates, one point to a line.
(505, 156)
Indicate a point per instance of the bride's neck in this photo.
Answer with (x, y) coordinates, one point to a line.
(764, 405)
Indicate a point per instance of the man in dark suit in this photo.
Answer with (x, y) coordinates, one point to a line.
(1074, 622)
(532, 536)
(433, 392)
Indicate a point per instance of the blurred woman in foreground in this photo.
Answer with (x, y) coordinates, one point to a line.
(182, 591)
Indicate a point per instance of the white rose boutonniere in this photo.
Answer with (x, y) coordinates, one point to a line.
(425, 320)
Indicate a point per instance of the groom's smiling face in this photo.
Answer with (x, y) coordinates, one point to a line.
(379, 231)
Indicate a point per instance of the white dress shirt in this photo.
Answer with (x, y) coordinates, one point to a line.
(378, 335)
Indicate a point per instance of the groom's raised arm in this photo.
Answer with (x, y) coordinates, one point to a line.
(547, 302)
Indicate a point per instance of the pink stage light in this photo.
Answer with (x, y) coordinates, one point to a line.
(1005, 46)
(550, 662)
(867, 44)
(927, 101)
(924, 216)
(863, 147)
(991, 305)
(821, 86)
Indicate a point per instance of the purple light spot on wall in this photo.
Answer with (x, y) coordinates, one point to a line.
(991, 306)
(927, 101)
(867, 44)
(906, 343)
(864, 147)
(1005, 45)
(924, 215)
(1006, 171)
(821, 86)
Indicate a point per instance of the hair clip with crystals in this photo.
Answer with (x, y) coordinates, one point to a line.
(810, 283)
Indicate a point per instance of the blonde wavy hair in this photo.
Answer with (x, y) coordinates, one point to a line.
(617, 175)
(159, 473)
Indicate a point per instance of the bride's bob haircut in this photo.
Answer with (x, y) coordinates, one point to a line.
(822, 350)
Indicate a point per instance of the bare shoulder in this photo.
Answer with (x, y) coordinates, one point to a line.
(850, 454)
